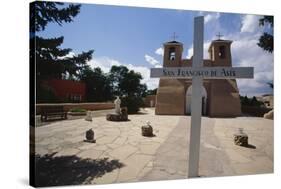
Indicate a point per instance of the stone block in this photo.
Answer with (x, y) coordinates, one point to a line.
(241, 139)
(147, 130)
(118, 117)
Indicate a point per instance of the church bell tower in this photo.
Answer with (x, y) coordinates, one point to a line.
(220, 52)
(172, 54)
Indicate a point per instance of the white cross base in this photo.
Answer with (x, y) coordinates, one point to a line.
(197, 72)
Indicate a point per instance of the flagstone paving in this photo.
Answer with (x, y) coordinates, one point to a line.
(122, 154)
(218, 154)
(120, 141)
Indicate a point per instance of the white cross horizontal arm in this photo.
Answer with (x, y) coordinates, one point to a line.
(203, 72)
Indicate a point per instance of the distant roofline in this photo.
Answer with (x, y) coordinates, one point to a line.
(173, 43)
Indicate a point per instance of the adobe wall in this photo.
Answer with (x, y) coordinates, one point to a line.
(224, 99)
(169, 99)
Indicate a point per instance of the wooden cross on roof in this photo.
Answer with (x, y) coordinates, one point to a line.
(174, 36)
(219, 35)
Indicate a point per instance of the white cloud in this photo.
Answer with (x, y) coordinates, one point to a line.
(211, 17)
(206, 47)
(250, 23)
(151, 60)
(160, 51)
(245, 52)
(105, 64)
(158, 66)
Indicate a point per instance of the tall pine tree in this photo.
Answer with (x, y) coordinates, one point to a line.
(50, 59)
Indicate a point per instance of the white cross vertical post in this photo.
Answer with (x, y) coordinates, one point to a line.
(196, 98)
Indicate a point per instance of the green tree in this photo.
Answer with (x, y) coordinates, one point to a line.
(255, 102)
(116, 76)
(266, 40)
(127, 84)
(244, 100)
(97, 85)
(52, 61)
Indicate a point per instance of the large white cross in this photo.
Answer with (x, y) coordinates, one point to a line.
(197, 73)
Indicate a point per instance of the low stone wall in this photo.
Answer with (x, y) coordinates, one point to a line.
(255, 111)
(87, 106)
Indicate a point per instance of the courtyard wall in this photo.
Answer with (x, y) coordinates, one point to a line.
(87, 106)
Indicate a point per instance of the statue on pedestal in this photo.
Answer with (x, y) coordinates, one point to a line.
(120, 114)
(117, 103)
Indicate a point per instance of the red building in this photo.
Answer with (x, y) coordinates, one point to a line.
(67, 90)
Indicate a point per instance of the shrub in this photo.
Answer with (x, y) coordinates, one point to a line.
(245, 101)
(132, 103)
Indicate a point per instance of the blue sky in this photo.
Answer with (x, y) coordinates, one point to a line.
(134, 36)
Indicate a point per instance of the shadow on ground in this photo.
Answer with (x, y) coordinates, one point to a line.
(70, 170)
(249, 146)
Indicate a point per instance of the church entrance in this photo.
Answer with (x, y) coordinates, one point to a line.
(188, 101)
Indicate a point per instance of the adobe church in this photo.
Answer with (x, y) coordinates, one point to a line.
(220, 98)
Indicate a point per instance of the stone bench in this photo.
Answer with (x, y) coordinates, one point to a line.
(53, 111)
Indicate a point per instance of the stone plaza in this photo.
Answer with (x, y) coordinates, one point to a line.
(122, 154)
